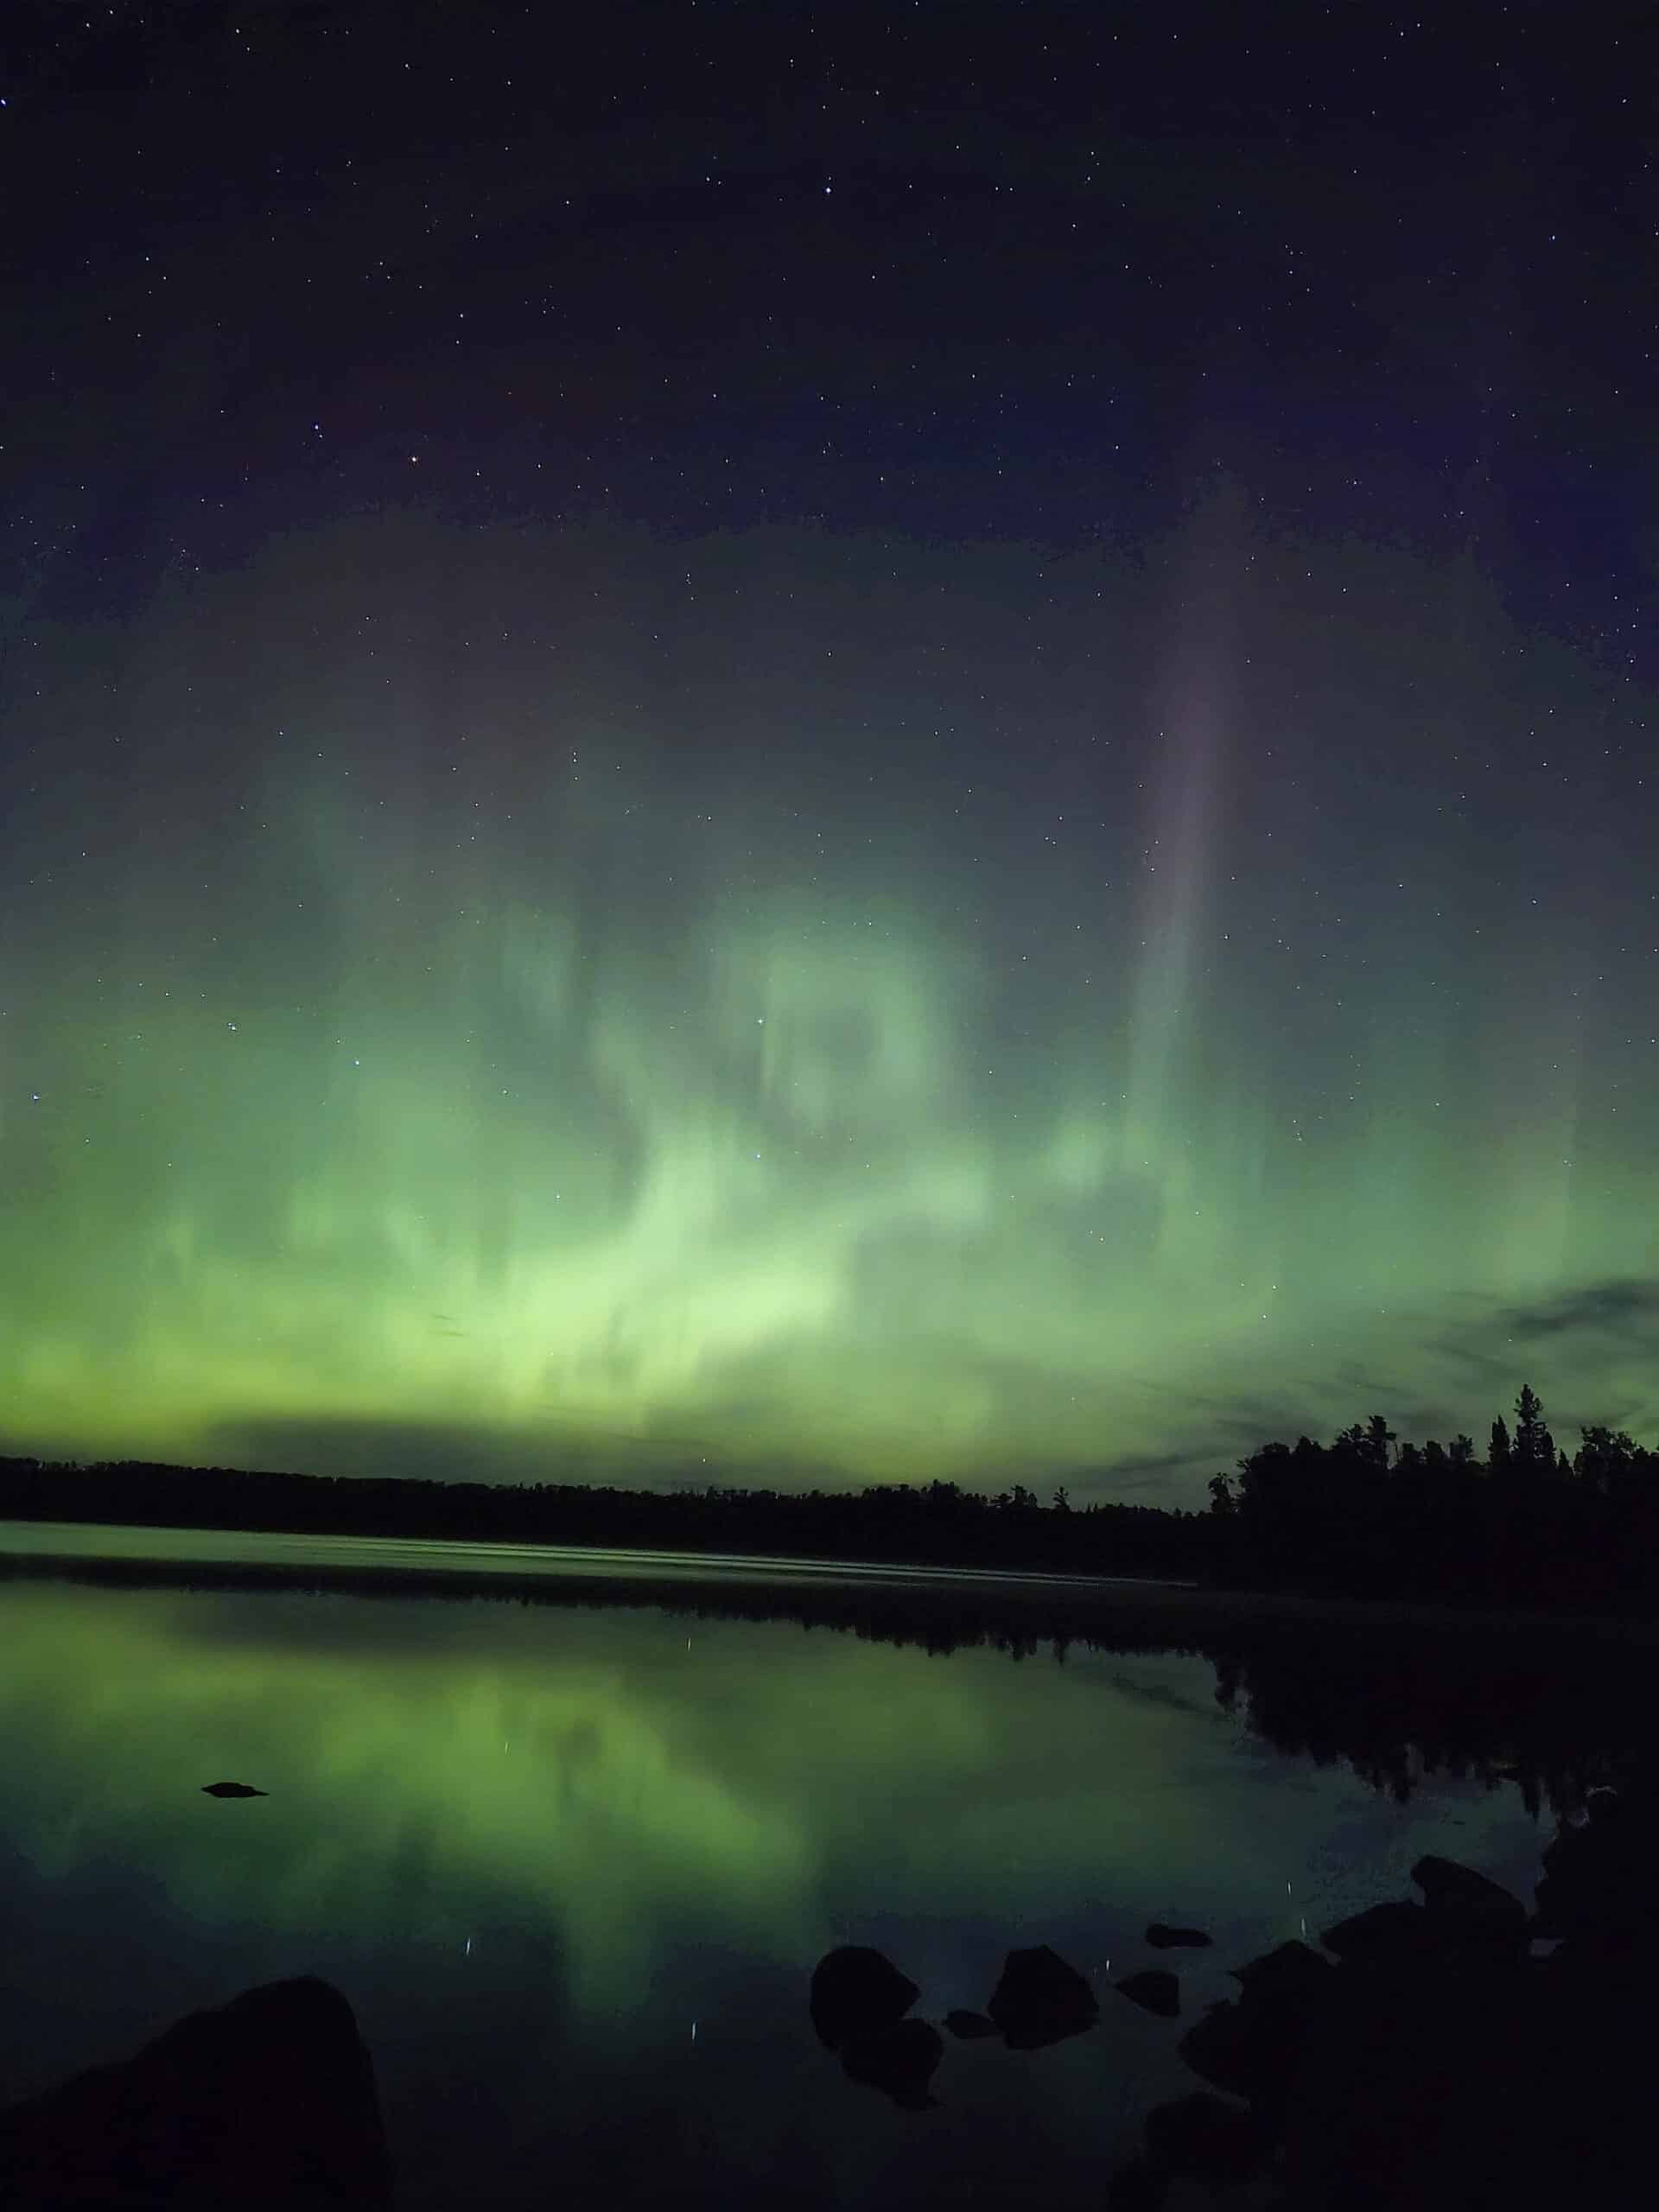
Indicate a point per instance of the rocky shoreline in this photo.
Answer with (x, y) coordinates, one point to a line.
(1449, 2052)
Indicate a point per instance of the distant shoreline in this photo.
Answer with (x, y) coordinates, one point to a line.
(1353, 1533)
(589, 1569)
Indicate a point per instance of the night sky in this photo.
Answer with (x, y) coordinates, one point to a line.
(824, 744)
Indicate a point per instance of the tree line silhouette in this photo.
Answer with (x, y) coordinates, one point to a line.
(1364, 1515)
(1373, 1517)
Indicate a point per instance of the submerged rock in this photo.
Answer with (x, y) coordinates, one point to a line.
(230, 1789)
(970, 2026)
(900, 2059)
(1040, 2000)
(1163, 1938)
(855, 1991)
(268, 2100)
(1153, 1988)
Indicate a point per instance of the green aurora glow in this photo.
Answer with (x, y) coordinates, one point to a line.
(629, 1778)
(580, 1005)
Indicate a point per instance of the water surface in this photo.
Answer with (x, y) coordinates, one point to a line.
(573, 1863)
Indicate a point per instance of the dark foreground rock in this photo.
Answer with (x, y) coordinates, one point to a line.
(969, 2026)
(1040, 2000)
(1252, 2047)
(263, 2103)
(1385, 1933)
(1477, 1909)
(1603, 1878)
(232, 1789)
(900, 2059)
(1154, 1990)
(855, 1991)
(1204, 2139)
(1440, 2067)
(1137, 2187)
(1431, 2085)
(1292, 1972)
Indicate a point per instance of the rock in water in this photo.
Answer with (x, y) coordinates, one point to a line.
(1471, 1905)
(856, 1991)
(1163, 1938)
(268, 2101)
(899, 2059)
(970, 2026)
(1040, 1999)
(1292, 1972)
(1394, 1934)
(1254, 2048)
(1156, 1989)
(230, 1789)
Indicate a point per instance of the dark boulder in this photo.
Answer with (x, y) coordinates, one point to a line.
(1220, 2047)
(267, 2102)
(1293, 1973)
(1387, 1935)
(1462, 2084)
(970, 2026)
(899, 2059)
(1440, 2067)
(1040, 2000)
(1157, 1991)
(230, 1789)
(1599, 1878)
(1163, 1938)
(1201, 2137)
(1470, 1905)
(1254, 2047)
(1138, 2187)
(1602, 1972)
(855, 1991)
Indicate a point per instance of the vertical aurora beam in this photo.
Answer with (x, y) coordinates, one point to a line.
(1166, 1006)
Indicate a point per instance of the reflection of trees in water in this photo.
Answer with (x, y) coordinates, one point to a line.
(1554, 1710)
(1549, 1711)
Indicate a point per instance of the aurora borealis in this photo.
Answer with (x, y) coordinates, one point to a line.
(816, 979)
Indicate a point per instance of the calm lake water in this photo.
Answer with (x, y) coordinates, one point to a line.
(573, 1862)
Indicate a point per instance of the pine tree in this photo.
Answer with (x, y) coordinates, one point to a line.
(1535, 1447)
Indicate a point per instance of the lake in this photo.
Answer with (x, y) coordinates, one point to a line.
(572, 1841)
